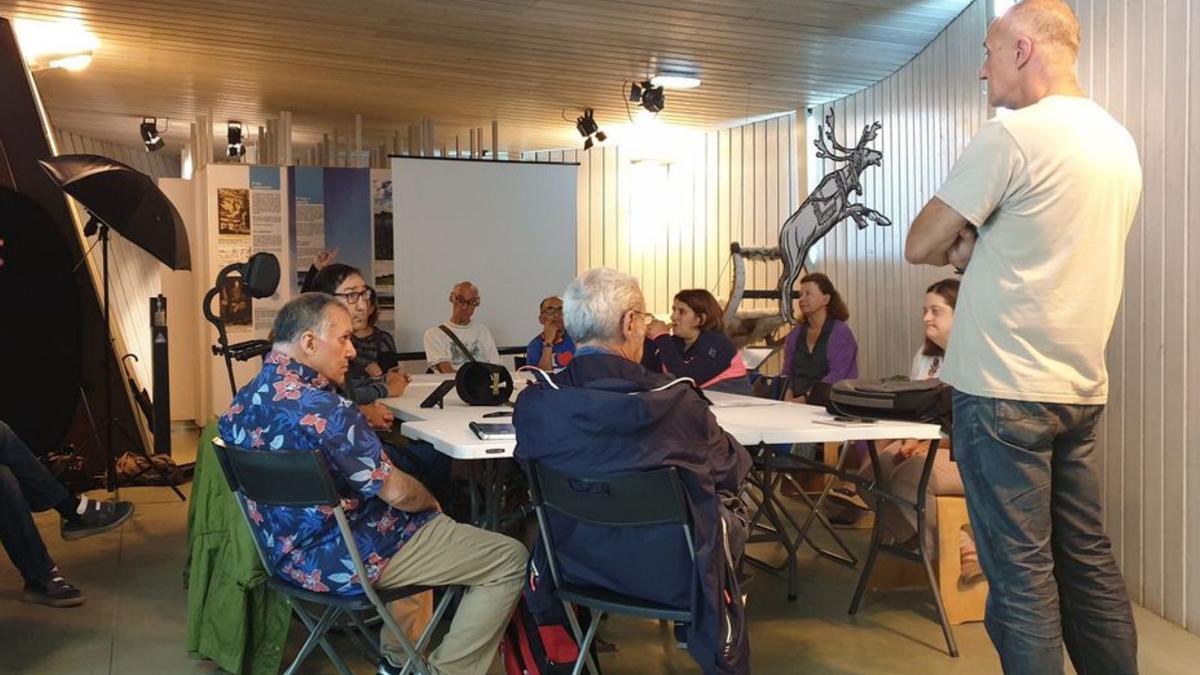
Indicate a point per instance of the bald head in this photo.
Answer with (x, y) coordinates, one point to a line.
(1050, 24)
(1031, 54)
(464, 298)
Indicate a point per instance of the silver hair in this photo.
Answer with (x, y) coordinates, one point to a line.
(305, 312)
(595, 302)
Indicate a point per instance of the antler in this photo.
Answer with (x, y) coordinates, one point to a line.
(869, 133)
(826, 133)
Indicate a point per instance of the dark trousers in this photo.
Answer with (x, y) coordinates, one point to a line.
(1033, 494)
(25, 487)
(423, 462)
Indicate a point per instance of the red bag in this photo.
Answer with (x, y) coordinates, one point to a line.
(529, 649)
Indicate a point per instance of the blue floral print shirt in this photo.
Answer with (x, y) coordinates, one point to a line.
(288, 406)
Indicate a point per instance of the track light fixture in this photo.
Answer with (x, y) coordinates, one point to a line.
(234, 134)
(649, 96)
(586, 125)
(150, 134)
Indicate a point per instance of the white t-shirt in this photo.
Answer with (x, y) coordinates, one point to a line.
(1053, 189)
(476, 337)
(924, 367)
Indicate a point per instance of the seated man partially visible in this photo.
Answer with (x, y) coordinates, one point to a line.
(26, 487)
(403, 537)
(553, 347)
(606, 414)
(458, 341)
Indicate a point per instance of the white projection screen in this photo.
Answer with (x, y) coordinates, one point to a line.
(507, 227)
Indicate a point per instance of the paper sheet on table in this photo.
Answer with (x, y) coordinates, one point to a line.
(742, 402)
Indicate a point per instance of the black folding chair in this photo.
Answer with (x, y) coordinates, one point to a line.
(300, 479)
(620, 500)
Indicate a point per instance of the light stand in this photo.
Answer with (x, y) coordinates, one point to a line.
(96, 226)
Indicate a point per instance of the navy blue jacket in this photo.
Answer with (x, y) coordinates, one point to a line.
(592, 426)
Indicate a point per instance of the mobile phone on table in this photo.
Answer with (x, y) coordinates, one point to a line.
(492, 431)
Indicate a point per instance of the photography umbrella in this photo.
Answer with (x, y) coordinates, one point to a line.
(126, 200)
(119, 197)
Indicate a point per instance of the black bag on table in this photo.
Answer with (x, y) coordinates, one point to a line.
(479, 383)
(897, 398)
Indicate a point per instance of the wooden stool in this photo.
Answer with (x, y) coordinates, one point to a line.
(963, 602)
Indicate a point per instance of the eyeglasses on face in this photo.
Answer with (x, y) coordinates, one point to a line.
(552, 311)
(469, 302)
(352, 297)
(647, 317)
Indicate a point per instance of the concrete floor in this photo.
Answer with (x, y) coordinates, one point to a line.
(134, 619)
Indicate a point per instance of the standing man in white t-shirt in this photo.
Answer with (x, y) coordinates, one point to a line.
(1037, 210)
(444, 353)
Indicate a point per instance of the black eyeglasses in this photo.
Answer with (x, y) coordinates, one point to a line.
(552, 311)
(352, 297)
(459, 300)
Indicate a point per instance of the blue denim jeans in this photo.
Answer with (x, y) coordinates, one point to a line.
(25, 486)
(1033, 495)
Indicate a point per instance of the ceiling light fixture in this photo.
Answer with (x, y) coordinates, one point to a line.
(675, 81)
(586, 125)
(234, 134)
(62, 44)
(150, 134)
(648, 95)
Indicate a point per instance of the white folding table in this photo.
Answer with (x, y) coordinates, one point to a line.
(756, 423)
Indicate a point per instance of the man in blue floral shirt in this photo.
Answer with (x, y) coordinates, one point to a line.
(398, 526)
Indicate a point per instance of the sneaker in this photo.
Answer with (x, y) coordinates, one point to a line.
(55, 592)
(97, 517)
(845, 496)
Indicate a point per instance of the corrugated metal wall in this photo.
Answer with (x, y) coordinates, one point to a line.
(1138, 61)
(929, 109)
(669, 221)
(133, 273)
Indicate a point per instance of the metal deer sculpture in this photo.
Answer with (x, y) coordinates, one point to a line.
(827, 205)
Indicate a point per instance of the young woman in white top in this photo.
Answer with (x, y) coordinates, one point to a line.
(902, 461)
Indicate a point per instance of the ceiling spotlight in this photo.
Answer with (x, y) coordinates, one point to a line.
(236, 147)
(586, 125)
(675, 81)
(150, 135)
(649, 96)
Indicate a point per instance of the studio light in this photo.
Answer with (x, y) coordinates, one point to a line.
(234, 134)
(586, 125)
(649, 96)
(150, 134)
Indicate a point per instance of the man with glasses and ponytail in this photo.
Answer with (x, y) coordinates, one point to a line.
(458, 341)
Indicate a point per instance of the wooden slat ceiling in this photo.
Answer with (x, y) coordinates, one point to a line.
(463, 63)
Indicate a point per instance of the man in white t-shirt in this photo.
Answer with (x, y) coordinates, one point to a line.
(1037, 210)
(444, 353)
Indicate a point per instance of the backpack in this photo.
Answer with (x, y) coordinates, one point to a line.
(527, 648)
(897, 398)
